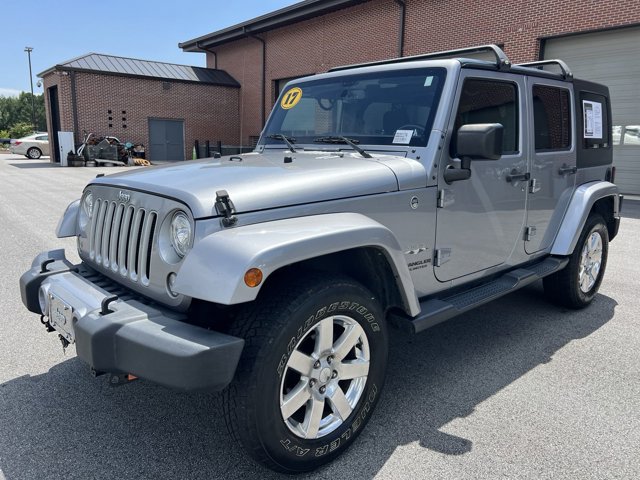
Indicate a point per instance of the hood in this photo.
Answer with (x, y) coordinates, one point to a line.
(259, 181)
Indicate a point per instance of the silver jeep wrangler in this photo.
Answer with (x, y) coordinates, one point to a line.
(401, 193)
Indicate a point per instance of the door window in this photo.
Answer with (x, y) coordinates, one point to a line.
(551, 118)
(489, 101)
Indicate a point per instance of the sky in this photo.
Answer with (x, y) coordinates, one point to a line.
(59, 30)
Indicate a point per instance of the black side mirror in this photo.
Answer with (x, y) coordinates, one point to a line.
(477, 141)
(480, 141)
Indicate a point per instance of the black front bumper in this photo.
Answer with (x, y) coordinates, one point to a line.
(132, 337)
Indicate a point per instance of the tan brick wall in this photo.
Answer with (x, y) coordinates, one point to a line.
(244, 59)
(369, 32)
(209, 112)
(357, 34)
(63, 83)
(444, 24)
(361, 33)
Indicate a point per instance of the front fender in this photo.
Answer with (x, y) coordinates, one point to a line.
(214, 269)
(579, 208)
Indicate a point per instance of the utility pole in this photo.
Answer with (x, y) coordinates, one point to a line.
(33, 104)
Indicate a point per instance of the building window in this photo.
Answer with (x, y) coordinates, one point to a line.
(253, 140)
(279, 84)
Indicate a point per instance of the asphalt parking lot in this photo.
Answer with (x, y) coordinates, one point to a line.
(516, 389)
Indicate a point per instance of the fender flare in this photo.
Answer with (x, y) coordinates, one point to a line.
(214, 269)
(582, 201)
(67, 224)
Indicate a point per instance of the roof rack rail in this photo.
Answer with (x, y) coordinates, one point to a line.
(566, 71)
(502, 61)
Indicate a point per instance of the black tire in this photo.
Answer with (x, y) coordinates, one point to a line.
(272, 328)
(34, 153)
(563, 288)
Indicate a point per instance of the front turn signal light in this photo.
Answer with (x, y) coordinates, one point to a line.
(253, 277)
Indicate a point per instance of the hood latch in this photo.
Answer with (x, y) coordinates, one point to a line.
(226, 208)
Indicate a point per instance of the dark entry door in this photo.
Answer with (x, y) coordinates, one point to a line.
(166, 139)
(54, 111)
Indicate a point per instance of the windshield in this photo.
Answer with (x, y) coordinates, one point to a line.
(381, 108)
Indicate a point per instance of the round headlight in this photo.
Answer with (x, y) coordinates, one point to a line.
(87, 204)
(86, 211)
(181, 233)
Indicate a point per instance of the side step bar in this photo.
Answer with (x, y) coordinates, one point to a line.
(437, 310)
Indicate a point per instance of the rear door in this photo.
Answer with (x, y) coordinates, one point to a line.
(553, 160)
(481, 220)
(43, 144)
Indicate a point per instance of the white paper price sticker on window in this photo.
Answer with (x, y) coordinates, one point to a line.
(592, 119)
(403, 136)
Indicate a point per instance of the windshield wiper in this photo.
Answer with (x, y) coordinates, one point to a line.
(341, 139)
(288, 140)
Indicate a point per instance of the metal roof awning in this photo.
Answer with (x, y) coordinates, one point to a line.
(132, 67)
(279, 18)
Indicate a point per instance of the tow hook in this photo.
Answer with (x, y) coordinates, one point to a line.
(119, 379)
(65, 343)
(46, 323)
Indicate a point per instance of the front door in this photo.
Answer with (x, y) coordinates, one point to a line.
(480, 221)
(166, 140)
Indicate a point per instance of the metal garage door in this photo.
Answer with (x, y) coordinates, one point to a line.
(611, 58)
(166, 140)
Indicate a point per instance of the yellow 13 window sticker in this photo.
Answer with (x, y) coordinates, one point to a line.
(291, 98)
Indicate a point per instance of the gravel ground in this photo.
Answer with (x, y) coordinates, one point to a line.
(515, 389)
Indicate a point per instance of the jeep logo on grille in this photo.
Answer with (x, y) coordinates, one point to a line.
(124, 197)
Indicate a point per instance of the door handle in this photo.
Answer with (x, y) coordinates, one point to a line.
(514, 176)
(565, 170)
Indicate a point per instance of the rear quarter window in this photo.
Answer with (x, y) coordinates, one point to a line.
(596, 126)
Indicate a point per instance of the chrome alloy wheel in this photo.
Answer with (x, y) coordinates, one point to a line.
(34, 153)
(324, 377)
(590, 262)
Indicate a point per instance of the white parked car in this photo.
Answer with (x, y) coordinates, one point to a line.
(32, 146)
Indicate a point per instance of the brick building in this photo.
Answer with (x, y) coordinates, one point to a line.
(599, 39)
(164, 106)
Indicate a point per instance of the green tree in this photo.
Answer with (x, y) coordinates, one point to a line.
(15, 110)
(21, 129)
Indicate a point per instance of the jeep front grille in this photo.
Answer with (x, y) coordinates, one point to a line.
(121, 238)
